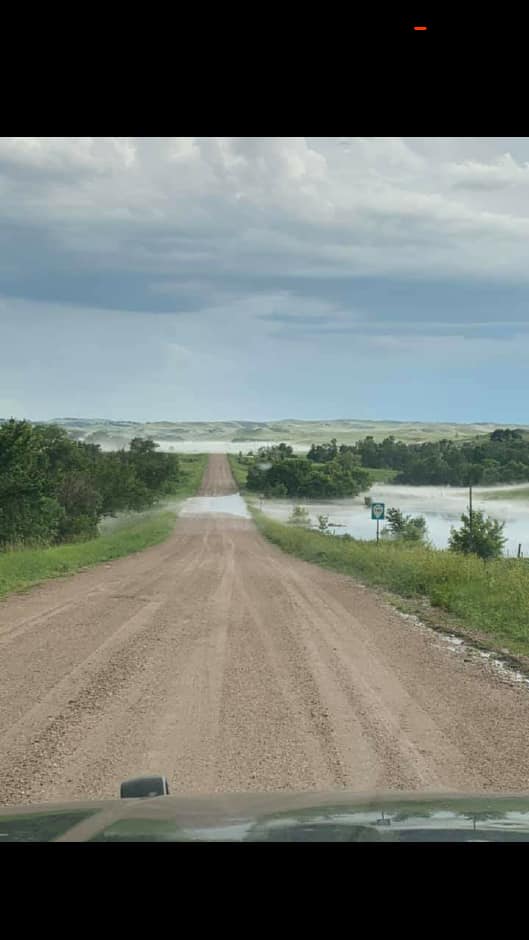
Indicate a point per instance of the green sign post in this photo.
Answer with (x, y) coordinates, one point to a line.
(377, 512)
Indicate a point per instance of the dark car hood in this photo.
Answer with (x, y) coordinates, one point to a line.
(275, 817)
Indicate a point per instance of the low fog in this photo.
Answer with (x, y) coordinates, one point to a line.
(440, 505)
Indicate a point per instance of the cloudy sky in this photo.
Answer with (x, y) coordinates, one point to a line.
(265, 277)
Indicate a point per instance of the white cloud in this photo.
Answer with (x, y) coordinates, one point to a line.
(201, 215)
(504, 171)
(94, 154)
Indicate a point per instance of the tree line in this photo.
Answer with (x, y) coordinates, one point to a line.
(54, 489)
(275, 471)
(330, 470)
(499, 457)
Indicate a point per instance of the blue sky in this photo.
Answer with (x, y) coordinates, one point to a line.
(261, 278)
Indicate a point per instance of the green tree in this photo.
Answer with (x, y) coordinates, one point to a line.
(28, 509)
(348, 459)
(299, 477)
(277, 491)
(482, 536)
(407, 528)
(81, 505)
(55, 489)
(322, 453)
(275, 452)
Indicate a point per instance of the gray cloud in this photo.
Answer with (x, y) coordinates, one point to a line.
(286, 251)
(184, 208)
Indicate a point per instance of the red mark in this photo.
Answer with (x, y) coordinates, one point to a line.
(420, 29)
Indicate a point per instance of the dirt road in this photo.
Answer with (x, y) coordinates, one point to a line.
(227, 665)
(218, 478)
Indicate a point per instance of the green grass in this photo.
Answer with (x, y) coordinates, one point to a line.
(192, 467)
(380, 475)
(521, 494)
(24, 567)
(239, 470)
(21, 568)
(489, 599)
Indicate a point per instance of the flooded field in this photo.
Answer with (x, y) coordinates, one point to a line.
(221, 447)
(441, 507)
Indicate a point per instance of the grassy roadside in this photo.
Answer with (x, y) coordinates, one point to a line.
(193, 467)
(239, 470)
(22, 568)
(490, 600)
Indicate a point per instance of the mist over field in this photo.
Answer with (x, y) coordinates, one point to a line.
(441, 506)
(234, 436)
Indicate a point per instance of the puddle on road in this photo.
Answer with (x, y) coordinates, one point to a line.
(453, 641)
(507, 672)
(456, 644)
(232, 505)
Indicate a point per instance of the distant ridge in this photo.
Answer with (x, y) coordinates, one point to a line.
(113, 433)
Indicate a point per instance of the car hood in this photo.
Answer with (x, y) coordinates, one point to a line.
(275, 817)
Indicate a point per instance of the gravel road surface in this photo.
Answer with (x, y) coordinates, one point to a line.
(227, 665)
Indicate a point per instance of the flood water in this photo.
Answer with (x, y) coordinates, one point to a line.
(441, 507)
(232, 505)
(221, 447)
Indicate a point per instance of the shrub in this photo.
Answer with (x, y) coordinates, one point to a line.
(480, 536)
(299, 516)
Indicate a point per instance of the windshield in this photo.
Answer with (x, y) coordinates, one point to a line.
(264, 471)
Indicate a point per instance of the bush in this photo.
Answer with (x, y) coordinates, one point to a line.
(301, 477)
(407, 528)
(482, 536)
(299, 516)
(279, 491)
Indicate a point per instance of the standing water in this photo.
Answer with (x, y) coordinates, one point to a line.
(441, 506)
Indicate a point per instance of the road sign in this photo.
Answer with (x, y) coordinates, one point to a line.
(377, 511)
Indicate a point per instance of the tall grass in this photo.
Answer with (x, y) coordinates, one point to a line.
(489, 597)
(192, 467)
(239, 470)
